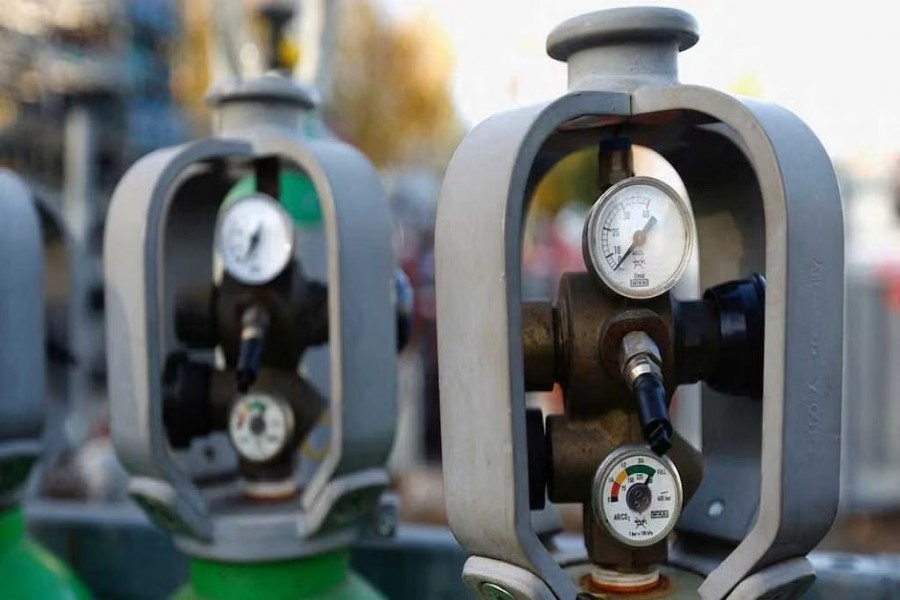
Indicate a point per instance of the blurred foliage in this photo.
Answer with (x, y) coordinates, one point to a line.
(391, 86)
(571, 180)
(748, 85)
(191, 69)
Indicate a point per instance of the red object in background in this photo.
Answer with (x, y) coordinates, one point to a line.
(890, 277)
(567, 253)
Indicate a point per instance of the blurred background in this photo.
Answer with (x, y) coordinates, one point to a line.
(88, 86)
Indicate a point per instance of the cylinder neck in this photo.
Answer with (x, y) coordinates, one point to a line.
(623, 48)
(271, 100)
(623, 66)
(307, 577)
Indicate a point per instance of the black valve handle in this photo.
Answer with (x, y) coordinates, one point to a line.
(653, 410)
(254, 323)
(404, 308)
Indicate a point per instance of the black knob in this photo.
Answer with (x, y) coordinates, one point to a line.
(537, 458)
(312, 317)
(186, 412)
(719, 339)
(404, 305)
(194, 321)
(741, 309)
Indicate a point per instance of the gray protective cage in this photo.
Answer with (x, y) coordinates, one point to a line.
(765, 199)
(159, 234)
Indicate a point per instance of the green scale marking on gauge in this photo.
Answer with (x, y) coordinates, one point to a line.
(637, 495)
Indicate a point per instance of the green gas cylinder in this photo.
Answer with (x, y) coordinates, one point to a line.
(298, 196)
(28, 571)
(321, 577)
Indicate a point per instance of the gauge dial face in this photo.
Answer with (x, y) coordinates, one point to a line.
(255, 239)
(260, 427)
(638, 237)
(637, 496)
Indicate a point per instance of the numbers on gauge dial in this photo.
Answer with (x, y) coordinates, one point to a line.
(254, 238)
(637, 496)
(639, 237)
(260, 427)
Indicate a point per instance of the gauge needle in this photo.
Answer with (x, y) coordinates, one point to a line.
(254, 241)
(636, 241)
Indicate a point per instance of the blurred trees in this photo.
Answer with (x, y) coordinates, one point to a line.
(191, 68)
(748, 85)
(571, 180)
(391, 90)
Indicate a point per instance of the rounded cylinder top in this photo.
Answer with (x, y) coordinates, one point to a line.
(270, 99)
(622, 26)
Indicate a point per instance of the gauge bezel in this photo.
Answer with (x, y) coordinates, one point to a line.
(605, 470)
(287, 223)
(592, 221)
(286, 412)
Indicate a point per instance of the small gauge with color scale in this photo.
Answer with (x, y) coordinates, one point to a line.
(637, 495)
(260, 427)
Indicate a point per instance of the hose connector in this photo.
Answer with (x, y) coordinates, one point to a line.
(640, 363)
(254, 324)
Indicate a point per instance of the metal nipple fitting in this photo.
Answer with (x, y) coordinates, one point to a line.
(640, 363)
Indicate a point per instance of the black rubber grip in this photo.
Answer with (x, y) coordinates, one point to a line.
(653, 410)
(248, 363)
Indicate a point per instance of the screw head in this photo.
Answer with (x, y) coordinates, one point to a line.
(386, 520)
(715, 508)
(492, 591)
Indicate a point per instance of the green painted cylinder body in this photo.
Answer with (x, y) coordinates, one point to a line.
(27, 570)
(322, 577)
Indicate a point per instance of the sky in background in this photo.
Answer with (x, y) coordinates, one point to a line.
(833, 63)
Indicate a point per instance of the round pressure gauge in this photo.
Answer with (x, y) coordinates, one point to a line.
(638, 237)
(260, 427)
(255, 239)
(637, 496)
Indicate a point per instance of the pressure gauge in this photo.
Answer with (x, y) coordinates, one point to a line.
(260, 427)
(637, 496)
(254, 238)
(638, 237)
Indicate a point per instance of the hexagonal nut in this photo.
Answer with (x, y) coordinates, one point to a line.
(637, 343)
(642, 364)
